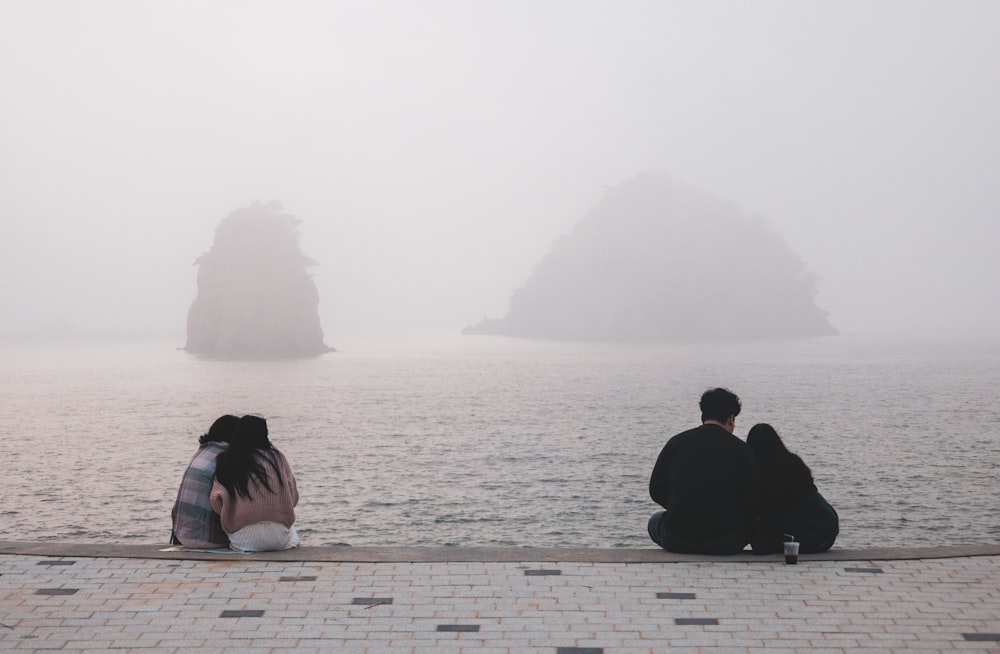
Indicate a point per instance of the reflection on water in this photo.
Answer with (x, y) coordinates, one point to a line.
(485, 441)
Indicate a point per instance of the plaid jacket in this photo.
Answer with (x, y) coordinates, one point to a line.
(195, 524)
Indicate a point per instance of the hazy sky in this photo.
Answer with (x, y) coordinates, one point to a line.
(434, 150)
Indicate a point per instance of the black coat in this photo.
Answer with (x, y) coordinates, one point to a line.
(706, 479)
(791, 505)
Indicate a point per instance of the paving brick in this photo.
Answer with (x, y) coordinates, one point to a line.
(163, 605)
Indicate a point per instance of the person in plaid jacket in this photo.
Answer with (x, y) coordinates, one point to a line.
(195, 524)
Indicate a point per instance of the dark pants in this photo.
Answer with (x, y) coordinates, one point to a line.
(732, 543)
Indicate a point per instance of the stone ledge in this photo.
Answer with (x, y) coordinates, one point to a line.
(400, 554)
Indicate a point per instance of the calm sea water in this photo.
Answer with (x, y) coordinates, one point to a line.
(488, 441)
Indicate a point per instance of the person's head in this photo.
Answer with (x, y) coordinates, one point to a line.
(248, 457)
(221, 430)
(251, 433)
(782, 472)
(720, 405)
(764, 441)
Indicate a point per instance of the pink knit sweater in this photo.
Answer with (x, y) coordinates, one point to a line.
(276, 505)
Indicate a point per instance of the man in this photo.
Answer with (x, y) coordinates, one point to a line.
(707, 480)
(196, 525)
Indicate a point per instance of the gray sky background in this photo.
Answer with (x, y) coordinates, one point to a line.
(435, 150)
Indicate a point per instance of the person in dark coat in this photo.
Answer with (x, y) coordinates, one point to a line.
(791, 507)
(706, 480)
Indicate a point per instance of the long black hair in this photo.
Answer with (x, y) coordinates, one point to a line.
(221, 430)
(783, 475)
(246, 458)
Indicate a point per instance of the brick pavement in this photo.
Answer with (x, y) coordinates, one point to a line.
(236, 604)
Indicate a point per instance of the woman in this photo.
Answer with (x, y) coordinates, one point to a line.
(254, 491)
(790, 504)
(195, 525)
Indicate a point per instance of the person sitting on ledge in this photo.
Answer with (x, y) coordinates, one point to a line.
(255, 492)
(707, 480)
(790, 504)
(195, 524)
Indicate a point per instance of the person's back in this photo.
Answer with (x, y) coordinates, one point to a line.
(270, 498)
(255, 492)
(706, 480)
(194, 523)
(790, 502)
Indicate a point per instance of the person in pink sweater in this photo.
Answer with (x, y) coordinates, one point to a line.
(254, 491)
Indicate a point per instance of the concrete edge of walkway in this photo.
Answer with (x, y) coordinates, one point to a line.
(350, 554)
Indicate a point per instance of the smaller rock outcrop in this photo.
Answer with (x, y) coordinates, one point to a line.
(256, 299)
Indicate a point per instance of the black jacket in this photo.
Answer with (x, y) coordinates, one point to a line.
(707, 480)
(791, 504)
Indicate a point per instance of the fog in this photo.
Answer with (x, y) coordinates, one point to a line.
(434, 151)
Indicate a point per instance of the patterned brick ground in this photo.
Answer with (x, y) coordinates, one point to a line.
(145, 605)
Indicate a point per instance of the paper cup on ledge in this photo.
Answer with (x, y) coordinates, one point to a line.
(791, 553)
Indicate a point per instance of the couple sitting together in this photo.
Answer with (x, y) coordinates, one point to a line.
(238, 491)
(721, 493)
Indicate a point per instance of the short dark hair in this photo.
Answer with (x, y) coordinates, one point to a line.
(719, 404)
(221, 430)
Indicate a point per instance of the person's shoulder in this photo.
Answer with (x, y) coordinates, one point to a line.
(729, 442)
(800, 470)
(279, 458)
(739, 442)
(695, 431)
(738, 445)
(684, 436)
(206, 455)
(720, 434)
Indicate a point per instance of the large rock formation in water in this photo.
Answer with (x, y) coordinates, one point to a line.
(658, 261)
(255, 298)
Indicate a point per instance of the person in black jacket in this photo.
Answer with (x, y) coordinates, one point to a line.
(706, 479)
(791, 508)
